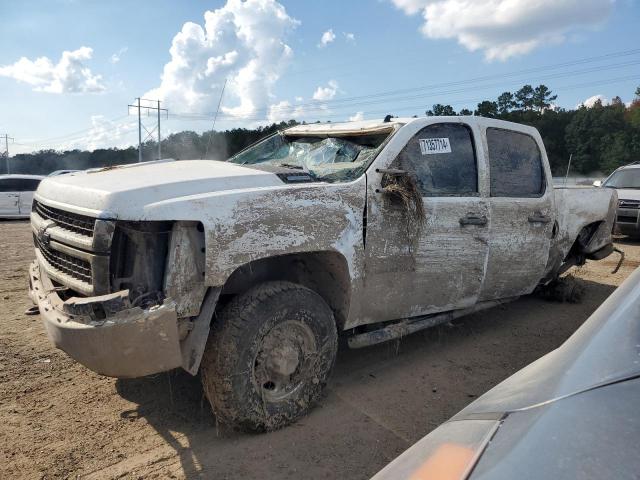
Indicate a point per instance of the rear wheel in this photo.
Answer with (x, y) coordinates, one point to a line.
(269, 356)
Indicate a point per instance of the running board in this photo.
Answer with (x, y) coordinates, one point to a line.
(415, 324)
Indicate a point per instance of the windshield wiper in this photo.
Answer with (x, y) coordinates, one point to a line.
(290, 165)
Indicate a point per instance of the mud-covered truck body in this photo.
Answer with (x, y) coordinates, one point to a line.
(246, 270)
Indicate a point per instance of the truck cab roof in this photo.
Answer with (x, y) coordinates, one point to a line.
(380, 126)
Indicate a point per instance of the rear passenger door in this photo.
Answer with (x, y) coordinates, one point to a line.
(9, 197)
(522, 213)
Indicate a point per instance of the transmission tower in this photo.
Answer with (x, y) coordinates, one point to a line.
(6, 149)
(148, 109)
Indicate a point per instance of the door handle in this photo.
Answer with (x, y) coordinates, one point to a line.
(471, 219)
(539, 218)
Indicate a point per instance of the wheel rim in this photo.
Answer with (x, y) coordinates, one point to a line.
(285, 360)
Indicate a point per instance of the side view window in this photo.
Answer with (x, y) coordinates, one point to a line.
(515, 164)
(9, 185)
(442, 159)
(29, 185)
(18, 185)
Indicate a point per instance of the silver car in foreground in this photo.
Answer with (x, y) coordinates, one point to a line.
(572, 414)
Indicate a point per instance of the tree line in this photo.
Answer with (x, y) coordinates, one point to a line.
(599, 138)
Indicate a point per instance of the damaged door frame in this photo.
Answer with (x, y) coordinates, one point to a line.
(397, 289)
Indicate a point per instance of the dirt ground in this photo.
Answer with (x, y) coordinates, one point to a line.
(59, 420)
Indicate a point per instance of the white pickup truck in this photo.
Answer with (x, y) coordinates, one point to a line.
(246, 270)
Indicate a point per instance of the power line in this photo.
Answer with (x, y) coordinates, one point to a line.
(375, 98)
(56, 139)
(6, 150)
(475, 100)
(392, 93)
(215, 118)
(139, 107)
(337, 116)
(356, 62)
(321, 109)
(414, 107)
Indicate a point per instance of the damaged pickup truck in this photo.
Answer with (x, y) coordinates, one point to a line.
(246, 270)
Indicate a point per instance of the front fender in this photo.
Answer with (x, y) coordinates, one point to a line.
(279, 222)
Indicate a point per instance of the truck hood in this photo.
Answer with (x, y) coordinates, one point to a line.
(111, 192)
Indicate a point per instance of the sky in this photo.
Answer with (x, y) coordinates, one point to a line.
(69, 68)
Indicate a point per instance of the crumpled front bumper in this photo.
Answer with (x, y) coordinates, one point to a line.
(125, 343)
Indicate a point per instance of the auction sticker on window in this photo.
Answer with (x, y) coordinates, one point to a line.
(430, 146)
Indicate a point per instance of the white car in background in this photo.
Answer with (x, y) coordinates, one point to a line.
(16, 194)
(626, 181)
(62, 172)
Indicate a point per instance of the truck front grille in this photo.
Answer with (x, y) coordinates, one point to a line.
(74, 267)
(74, 250)
(69, 221)
(623, 203)
(626, 219)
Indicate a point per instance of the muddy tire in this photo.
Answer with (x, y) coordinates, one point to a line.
(269, 355)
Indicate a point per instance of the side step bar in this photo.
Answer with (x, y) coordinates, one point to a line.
(415, 324)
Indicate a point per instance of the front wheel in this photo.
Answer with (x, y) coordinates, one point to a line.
(269, 356)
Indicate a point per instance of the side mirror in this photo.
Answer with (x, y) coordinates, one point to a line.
(597, 183)
(390, 176)
(391, 171)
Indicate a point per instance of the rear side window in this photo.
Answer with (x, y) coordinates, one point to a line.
(9, 185)
(442, 159)
(18, 185)
(515, 164)
(31, 185)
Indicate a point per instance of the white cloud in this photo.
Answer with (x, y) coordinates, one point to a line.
(116, 57)
(106, 134)
(411, 7)
(326, 93)
(243, 41)
(357, 117)
(505, 28)
(327, 38)
(69, 75)
(350, 37)
(591, 101)
(283, 111)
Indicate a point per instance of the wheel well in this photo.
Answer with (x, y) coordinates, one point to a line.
(576, 254)
(584, 237)
(326, 273)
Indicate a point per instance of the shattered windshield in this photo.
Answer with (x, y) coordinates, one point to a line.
(624, 179)
(325, 158)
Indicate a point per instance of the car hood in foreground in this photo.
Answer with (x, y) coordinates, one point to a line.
(593, 434)
(571, 414)
(604, 349)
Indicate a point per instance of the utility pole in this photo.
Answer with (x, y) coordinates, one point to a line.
(139, 134)
(159, 137)
(6, 149)
(139, 106)
(568, 169)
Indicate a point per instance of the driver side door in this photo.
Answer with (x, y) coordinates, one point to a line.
(419, 266)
